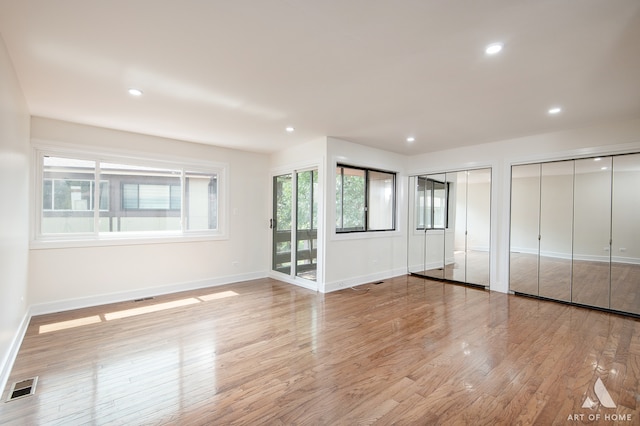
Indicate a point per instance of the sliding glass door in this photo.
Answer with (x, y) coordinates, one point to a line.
(281, 223)
(306, 239)
(295, 224)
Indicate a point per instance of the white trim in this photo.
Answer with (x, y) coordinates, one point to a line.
(41, 148)
(363, 279)
(14, 348)
(122, 240)
(571, 154)
(300, 282)
(472, 166)
(104, 299)
(105, 153)
(292, 169)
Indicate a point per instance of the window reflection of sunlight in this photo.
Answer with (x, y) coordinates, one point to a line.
(148, 309)
(63, 325)
(214, 296)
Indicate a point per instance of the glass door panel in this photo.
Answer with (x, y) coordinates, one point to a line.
(456, 234)
(625, 227)
(556, 227)
(592, 232)
(307, 224)
(525, 220)
(282, 223)
(478, 226)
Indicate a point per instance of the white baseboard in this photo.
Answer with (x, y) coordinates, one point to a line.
(363, 279)
(12, 353)
(310, 285)
(104, 299)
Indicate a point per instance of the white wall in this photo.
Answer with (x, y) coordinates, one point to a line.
(359, 258)
(64, 278)
(612, 137)
(14, 208)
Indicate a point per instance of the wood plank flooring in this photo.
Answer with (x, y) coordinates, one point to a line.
(407, 351)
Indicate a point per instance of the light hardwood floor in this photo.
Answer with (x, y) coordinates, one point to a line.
(407, 351)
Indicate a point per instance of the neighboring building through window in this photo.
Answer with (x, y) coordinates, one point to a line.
(132, 198)
(365, 199)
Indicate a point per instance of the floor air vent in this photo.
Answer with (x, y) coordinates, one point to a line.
(379, 282)
(143, 299)
(23, 388)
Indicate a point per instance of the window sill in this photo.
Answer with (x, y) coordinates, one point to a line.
(365, 235)
(134, 239)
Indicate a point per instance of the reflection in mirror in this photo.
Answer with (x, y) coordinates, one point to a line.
(478, 226)
(625, 227)
(416, 244)
(435, 222)
(556, 227)
(456, 239)
(591, 232)
(525, 209)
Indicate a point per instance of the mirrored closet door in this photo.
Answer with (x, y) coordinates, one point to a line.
(574, 231)
(449, 234)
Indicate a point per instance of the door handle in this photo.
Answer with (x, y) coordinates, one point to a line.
(270, 223)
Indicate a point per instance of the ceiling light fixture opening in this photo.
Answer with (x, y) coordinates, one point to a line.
(135, 92)
(555, 110)
(411, 139)
(493, 48)
(289, 129)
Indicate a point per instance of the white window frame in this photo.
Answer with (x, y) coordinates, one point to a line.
(97, 238)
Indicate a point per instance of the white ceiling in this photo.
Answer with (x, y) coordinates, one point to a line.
(235, 73)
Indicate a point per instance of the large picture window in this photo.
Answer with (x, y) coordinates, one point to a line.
(133, 198)
(365, 200)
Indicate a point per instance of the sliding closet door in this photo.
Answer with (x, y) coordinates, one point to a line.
(416, 244)
(436, 223)
(525, 220)
(456, 233)
(625, 227)
(478, 226)
(592, 232)
(556, 227)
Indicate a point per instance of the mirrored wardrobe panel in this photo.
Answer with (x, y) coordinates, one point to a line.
(525, 221)
(575, 229)
(625, 234)
(592, 232)
(449, 234)
(556, 225)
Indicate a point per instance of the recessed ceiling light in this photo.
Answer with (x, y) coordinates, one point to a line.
(493, 48)
(597, 159)
(555, 110)
(289, 129)
(603, 168)
(135, 92)
(411, 139)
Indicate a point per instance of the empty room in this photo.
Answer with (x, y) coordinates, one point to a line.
(319, 212)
